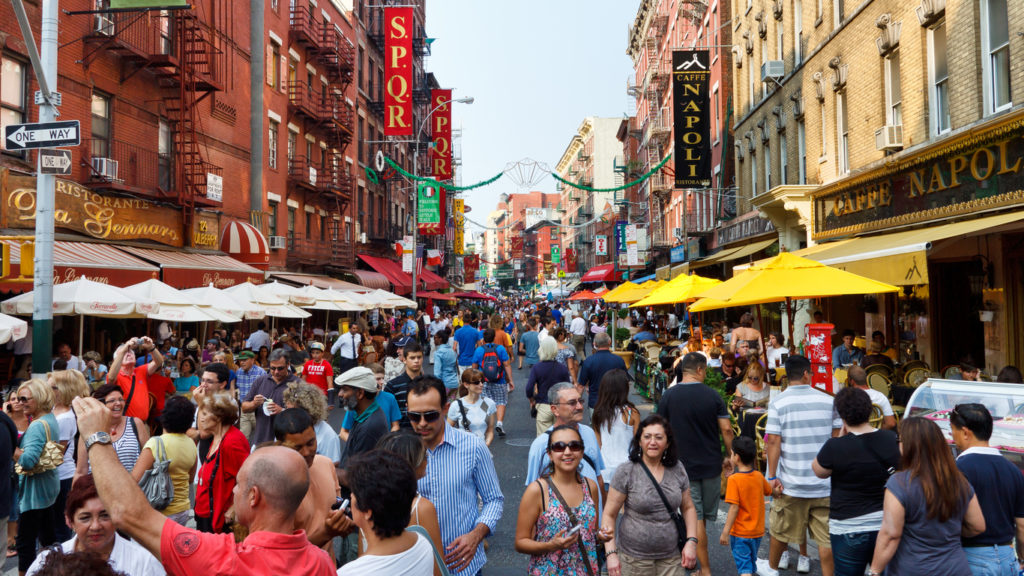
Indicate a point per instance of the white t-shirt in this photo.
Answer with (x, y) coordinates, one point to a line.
(880, 399)
(68, 428)
(416, 561)
(126, 557)
(475, 413)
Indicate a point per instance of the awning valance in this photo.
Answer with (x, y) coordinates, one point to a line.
(401, 281)
(193, 270)
(747, 250)
(101, 263)
(432, 281)
(320, 281)
(369, 279)
(602, 273)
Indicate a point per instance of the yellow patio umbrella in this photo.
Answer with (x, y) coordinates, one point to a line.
(638, 292)
(682, 288)
(618, 290)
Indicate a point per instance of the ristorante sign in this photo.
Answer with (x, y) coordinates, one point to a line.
(398, 71)
(97, 215)
(691, 81)
(953, 178)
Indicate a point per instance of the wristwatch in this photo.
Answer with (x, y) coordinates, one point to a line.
(97, 438)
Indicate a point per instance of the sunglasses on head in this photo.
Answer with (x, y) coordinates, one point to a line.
(573, 446)
(430, 416)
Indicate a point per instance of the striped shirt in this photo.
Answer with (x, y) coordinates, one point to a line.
(244, 380)
(458, 470)
(804, 418)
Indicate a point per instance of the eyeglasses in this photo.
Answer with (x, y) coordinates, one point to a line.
(113, 401)
(574, 446)
(430, 416)
(474, 381)
(573, 402)
(278, 368)
(753, 378)
(24, 399)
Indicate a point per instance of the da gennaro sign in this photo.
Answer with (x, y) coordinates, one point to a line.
(691, 122)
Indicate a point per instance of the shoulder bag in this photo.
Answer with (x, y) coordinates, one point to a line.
(574, 521)
(673, 513)
(51, 457)
(156, 482)
(437, 555)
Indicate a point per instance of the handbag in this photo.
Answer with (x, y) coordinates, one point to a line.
(51, 457)
(574, 522)
(437, 555)
(673, 513)
(156, 482)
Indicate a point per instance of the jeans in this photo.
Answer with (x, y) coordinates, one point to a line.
(852, 552)
(992, 561)
(744, 553)
(34, 525)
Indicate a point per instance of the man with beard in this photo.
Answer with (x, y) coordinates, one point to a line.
(266, 397)
(358, 390)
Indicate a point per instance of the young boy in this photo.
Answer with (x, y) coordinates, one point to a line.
(316, 370)
(385, 400)
(744, 526)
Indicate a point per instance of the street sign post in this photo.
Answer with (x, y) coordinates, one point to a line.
(57, 162)
(43, 135)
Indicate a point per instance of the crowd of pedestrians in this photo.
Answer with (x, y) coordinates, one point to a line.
(220, 460)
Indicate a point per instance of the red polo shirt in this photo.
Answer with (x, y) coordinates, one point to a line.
(319, 374)
(139, 407)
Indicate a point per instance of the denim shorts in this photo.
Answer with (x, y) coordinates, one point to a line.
(744, 553)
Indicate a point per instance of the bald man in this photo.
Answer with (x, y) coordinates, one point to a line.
(270, 486)
(857, 376)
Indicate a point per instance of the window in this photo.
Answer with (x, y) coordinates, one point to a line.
(824, 135)
(309, 225)
(12, 93)
(100, 126)
(838, 13)
(715, 26)
(272, 224)
(767, 166)
(359, 138)
(362, 69)
(715, 118)
(753, 175)
(323, 228)
(752, 77)
(764, 58)
(783, 160)
(798, 31)
(165, 147)
(938, 78)
(273, 70)
(842, 134)
(893, 90)
(801, 153)
(275, 126)
(291, 225)
(292, 139)
(995, 47)
(370, 82)
(293, 72)
(780, 40)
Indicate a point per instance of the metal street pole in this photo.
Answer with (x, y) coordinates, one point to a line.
(416, 187)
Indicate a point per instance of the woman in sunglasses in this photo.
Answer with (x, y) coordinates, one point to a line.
(37, 493)
(471, 411)
(557, 523)
(646, 542)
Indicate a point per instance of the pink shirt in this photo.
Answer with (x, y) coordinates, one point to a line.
(185, 551)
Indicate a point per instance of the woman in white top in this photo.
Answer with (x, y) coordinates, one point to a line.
(383, 488)
(776, 348)
(67, 385)
(472, 412)
(615, 420)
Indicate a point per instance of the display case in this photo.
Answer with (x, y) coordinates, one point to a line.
(935, 398)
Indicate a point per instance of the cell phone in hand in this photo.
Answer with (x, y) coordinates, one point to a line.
(574, 530)
(340, 504)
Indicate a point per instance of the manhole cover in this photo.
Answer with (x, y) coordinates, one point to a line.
(520, 441)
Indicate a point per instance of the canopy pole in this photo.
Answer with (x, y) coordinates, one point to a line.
(81, 333)
(764, 348)
(789, 322)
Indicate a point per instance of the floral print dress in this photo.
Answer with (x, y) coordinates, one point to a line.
(555, 521)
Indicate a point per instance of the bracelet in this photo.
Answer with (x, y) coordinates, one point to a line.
(693, 539)
(770, 478)
(610, 552)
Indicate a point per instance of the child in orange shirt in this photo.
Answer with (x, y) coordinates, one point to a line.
(744, 526)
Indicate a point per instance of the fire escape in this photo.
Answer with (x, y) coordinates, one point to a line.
(324, 112)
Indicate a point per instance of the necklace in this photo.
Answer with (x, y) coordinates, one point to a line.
(113, 431)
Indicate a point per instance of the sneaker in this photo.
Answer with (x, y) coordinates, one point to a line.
(803, 564)
(763, 569)
(500, 429)
(784, 561)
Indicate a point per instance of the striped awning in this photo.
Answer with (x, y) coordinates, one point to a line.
(192, 270)
(246, 243)
(320, 281)
(101, 263)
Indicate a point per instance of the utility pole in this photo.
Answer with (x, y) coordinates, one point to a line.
(45, 66)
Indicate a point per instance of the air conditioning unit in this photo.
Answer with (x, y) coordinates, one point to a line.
(104, 25)
(889, 137)
(105, 168)
(278, 242)
(678, 233)
(773, 70)
(362, 237)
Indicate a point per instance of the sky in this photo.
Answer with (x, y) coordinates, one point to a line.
(536, 69)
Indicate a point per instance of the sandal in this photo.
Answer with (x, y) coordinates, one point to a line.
(12, 551)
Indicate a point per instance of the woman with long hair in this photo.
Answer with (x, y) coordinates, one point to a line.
(566, 354)
(644, 540)
(752, 390)
(929, 505)
(37, 493)
(14, 409)
(471, 411)
(263, 357)
(187, 379)
(615, 420)
(66, 385)
(557, 523)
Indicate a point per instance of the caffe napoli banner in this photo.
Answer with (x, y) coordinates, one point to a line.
(691, 82)
(91, 213)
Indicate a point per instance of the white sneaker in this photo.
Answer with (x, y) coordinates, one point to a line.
(803, 564)
(784, 561)
(763, 569)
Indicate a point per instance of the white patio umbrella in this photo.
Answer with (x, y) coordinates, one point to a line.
(390, 300)
(289, 293)
(12, 328)
(270, 304)
(175, 305)
(218, 300)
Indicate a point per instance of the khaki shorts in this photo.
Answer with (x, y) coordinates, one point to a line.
(791, 517)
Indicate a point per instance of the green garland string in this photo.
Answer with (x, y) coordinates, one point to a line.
(617, 188)
(434, 182)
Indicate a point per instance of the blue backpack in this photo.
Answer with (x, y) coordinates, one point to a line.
(491, 364)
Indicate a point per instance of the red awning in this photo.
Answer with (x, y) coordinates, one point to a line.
(370, 279)
(473, 295)
(602, 273)
(72, 260)
(246, 243)
(432, 281)
(401, 282)
(434, 296)
(192, 270)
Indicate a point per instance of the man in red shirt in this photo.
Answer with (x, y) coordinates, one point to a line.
(134, 380)
(270, 486)
(316, 370)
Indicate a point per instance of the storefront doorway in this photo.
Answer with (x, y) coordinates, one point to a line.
(959, 329)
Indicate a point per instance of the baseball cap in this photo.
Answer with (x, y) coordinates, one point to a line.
(358, 377)
(316, 346)
(245, 355)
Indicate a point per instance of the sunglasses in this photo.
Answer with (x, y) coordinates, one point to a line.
(23, 399)
(573, 446)
(474, 381)
(431, 416)
(576, 402)
(278, 368)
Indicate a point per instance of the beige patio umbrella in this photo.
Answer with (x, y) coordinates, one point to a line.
(175, 305)
(12, 328)
(270, 304)
(218, 300)
(292, 294)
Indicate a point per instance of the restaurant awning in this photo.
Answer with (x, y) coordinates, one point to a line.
(320, 281)
(401, 282)
(432, 281)
(191, 270)
(747, 250)
(369, 279)
(602, 273)
(716, 257)
(101, 263)
(899, 258)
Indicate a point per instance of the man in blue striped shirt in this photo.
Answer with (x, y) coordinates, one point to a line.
(459, 469)
(248, 372)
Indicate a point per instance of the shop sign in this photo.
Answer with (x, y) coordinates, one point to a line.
(678, 253)
(620, 237)
(742, 229)
(691, 82)
(458, 241)
(398, 22)
(969, 176)
(601, 245)
(97, 215)
(430, 209)
(206, 231)
(215, 186)
(441, 133)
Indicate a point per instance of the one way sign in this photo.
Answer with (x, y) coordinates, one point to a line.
(55, 162)
(42, 135)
